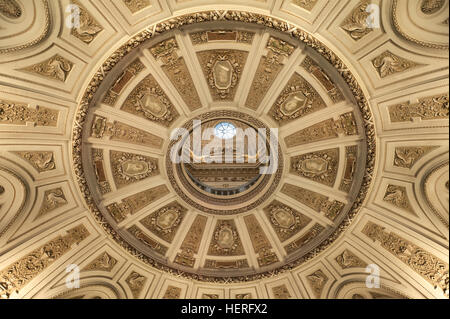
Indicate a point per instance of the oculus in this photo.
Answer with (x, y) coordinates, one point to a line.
(225, 130)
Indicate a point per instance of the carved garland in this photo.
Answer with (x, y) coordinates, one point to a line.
(208, 16)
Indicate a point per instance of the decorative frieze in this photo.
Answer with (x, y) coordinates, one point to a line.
(21, 114)
(132, 204)
(407, 156)
(313, 200)
(20, 273)
(238, 36)
(147, 241)
(351, 156)
(118, 131)
(99, 168)
(303, 240)
(226, 264)
(325, 130)
(431, 268)
(429, 108)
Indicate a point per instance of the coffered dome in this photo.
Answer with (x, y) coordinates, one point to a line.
(192, 149)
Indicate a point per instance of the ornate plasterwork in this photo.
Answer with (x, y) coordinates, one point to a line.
(131, 204)
(19, 114)
(43, 34)
(428, 108)
(128, 168)
(149, 101)
(397, 196)
(305, 239)
(257, 19)
(388, 64)
(88, 28)
(10, 9)
(20, 273)
(351, 153)
(268, 69)
(427, 7)
(320, 166)
(53, 199)
(285, 220)
(41, 161)
(431, 6)
(225, 240)
(317, 280)
(324, 79)
(191, 242)
(136, 5)
(222, 69)
(356, 23)
(165, 221)
(56, 68)
(136, 283)
(328, 129)
(431, 268)
(260, 243)
(407, 156)
(122, 80)
(298, 99)
(305, 4)
(176, 70)
(121, 132)
(281, 292)
(222, 35)
(347, 260)
(104, 262)
(172, 292)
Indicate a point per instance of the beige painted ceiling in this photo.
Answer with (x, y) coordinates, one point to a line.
(86, 116)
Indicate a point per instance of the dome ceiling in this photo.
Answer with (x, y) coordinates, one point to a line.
(122, 152)
(209, 74)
